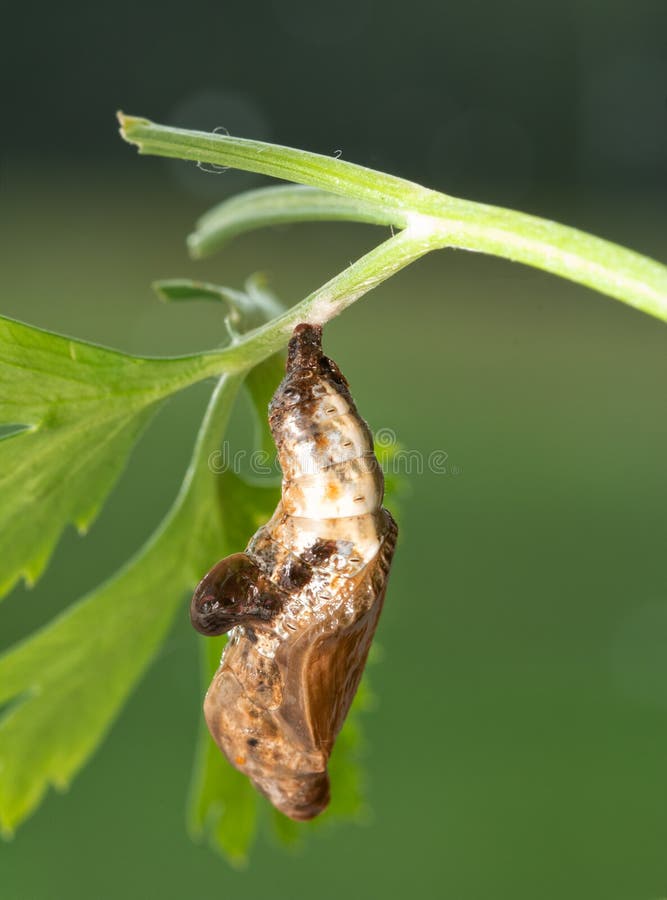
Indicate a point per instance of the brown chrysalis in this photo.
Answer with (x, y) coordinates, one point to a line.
(302, 603)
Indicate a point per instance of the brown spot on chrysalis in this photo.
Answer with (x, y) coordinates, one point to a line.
(319, 552)
(294, 574)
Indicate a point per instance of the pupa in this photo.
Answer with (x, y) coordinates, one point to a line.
(301, 604)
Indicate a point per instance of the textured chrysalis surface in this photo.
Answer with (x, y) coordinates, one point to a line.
(302, 603)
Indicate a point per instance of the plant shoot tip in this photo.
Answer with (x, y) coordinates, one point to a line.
(127, 123)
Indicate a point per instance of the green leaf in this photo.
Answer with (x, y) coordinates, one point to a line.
(186, 289)
(66, 684)
(277, 206)
(436, 219)
(247, 309)
(396, 466)
(82, 408)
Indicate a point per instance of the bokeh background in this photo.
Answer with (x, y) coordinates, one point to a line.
(518, 744)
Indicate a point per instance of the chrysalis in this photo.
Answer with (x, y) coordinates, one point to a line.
(302, 603)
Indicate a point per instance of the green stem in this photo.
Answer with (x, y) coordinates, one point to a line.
(288, 163)
(613, 270)
(322, 305)
(444, 221)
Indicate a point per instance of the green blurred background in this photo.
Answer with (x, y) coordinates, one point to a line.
(518, 744)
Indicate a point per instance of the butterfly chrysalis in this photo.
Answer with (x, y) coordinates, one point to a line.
(302, 602)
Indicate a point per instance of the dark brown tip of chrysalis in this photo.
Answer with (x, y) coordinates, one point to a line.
(304, 350)
(304, 797)
(234, 592)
